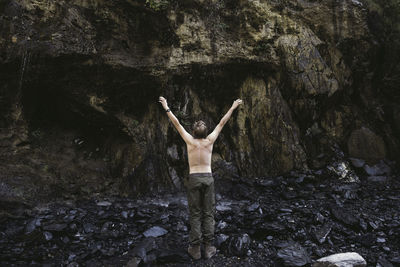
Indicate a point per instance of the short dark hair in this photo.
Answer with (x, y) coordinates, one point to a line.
(200, 129)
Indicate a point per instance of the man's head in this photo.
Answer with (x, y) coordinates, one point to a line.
(199, 130)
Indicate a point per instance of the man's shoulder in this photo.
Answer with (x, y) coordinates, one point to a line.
(210, 140)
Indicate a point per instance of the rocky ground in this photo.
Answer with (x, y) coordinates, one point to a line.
(258, 223)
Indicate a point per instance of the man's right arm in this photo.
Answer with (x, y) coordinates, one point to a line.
(214, 135)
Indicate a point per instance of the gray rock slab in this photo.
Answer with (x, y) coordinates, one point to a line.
(377, 169)
(155, 231)
(348, 259)
(103, 203)
(377, 179)
(294, 255)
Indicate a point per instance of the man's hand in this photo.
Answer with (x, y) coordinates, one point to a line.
(184, 134)
(163, 102)
(236, 103)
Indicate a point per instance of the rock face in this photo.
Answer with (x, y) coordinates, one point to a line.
(80, 80)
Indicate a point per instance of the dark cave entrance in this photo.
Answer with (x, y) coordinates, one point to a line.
(56, 93)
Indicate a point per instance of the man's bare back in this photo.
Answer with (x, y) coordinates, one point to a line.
(199, 150)
(199, 155)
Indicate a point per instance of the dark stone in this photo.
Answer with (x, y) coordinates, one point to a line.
(253, 207)
(344, 216)
(57, 227)
(164, 256)
(349, 194)
(145, 246)
(47, 235)
(225, 169)
(322, 233)
(241, 191)
(363, 225)
(286, 210)
(31, 225)
(181, 227)
(377, 179)
(396, 260)
(69, 218)
(366, 240)
(266, 229)
(155, 231)
(73, 226)
(377, 169)
(294, 255)
(382, 262)
(288, 195)
(237, 245)
(221, 225)
(267, 182)
(222, 208)
(88, 227)
(380, 240)
(220, 239)
(300, 179)
(105, 227)
(319, 218)
(373, 225)
(358, 163)
(104, 203)
(124, 214)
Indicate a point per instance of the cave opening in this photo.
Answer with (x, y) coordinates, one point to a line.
(82, 96)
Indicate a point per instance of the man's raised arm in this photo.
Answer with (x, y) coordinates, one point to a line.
(184, 134)
(214, 135)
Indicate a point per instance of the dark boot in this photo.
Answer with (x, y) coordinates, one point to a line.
(194, 252)
(209, 251)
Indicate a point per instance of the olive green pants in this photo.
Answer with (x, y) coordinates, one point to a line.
(201, 202)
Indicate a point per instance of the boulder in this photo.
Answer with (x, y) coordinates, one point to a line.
(237, 245)
(378, 169)
(348, 259)
(155, 231)
(365, 144)
(294, 255)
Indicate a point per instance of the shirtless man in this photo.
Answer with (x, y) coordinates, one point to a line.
(200, 185)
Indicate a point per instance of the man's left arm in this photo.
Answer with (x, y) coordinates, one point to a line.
(184, 134)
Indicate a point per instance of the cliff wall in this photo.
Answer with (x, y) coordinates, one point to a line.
(80, 81)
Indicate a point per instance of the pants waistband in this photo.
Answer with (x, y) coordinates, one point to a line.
(201, 174)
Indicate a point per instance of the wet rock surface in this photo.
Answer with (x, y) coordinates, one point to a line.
(259, 227)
